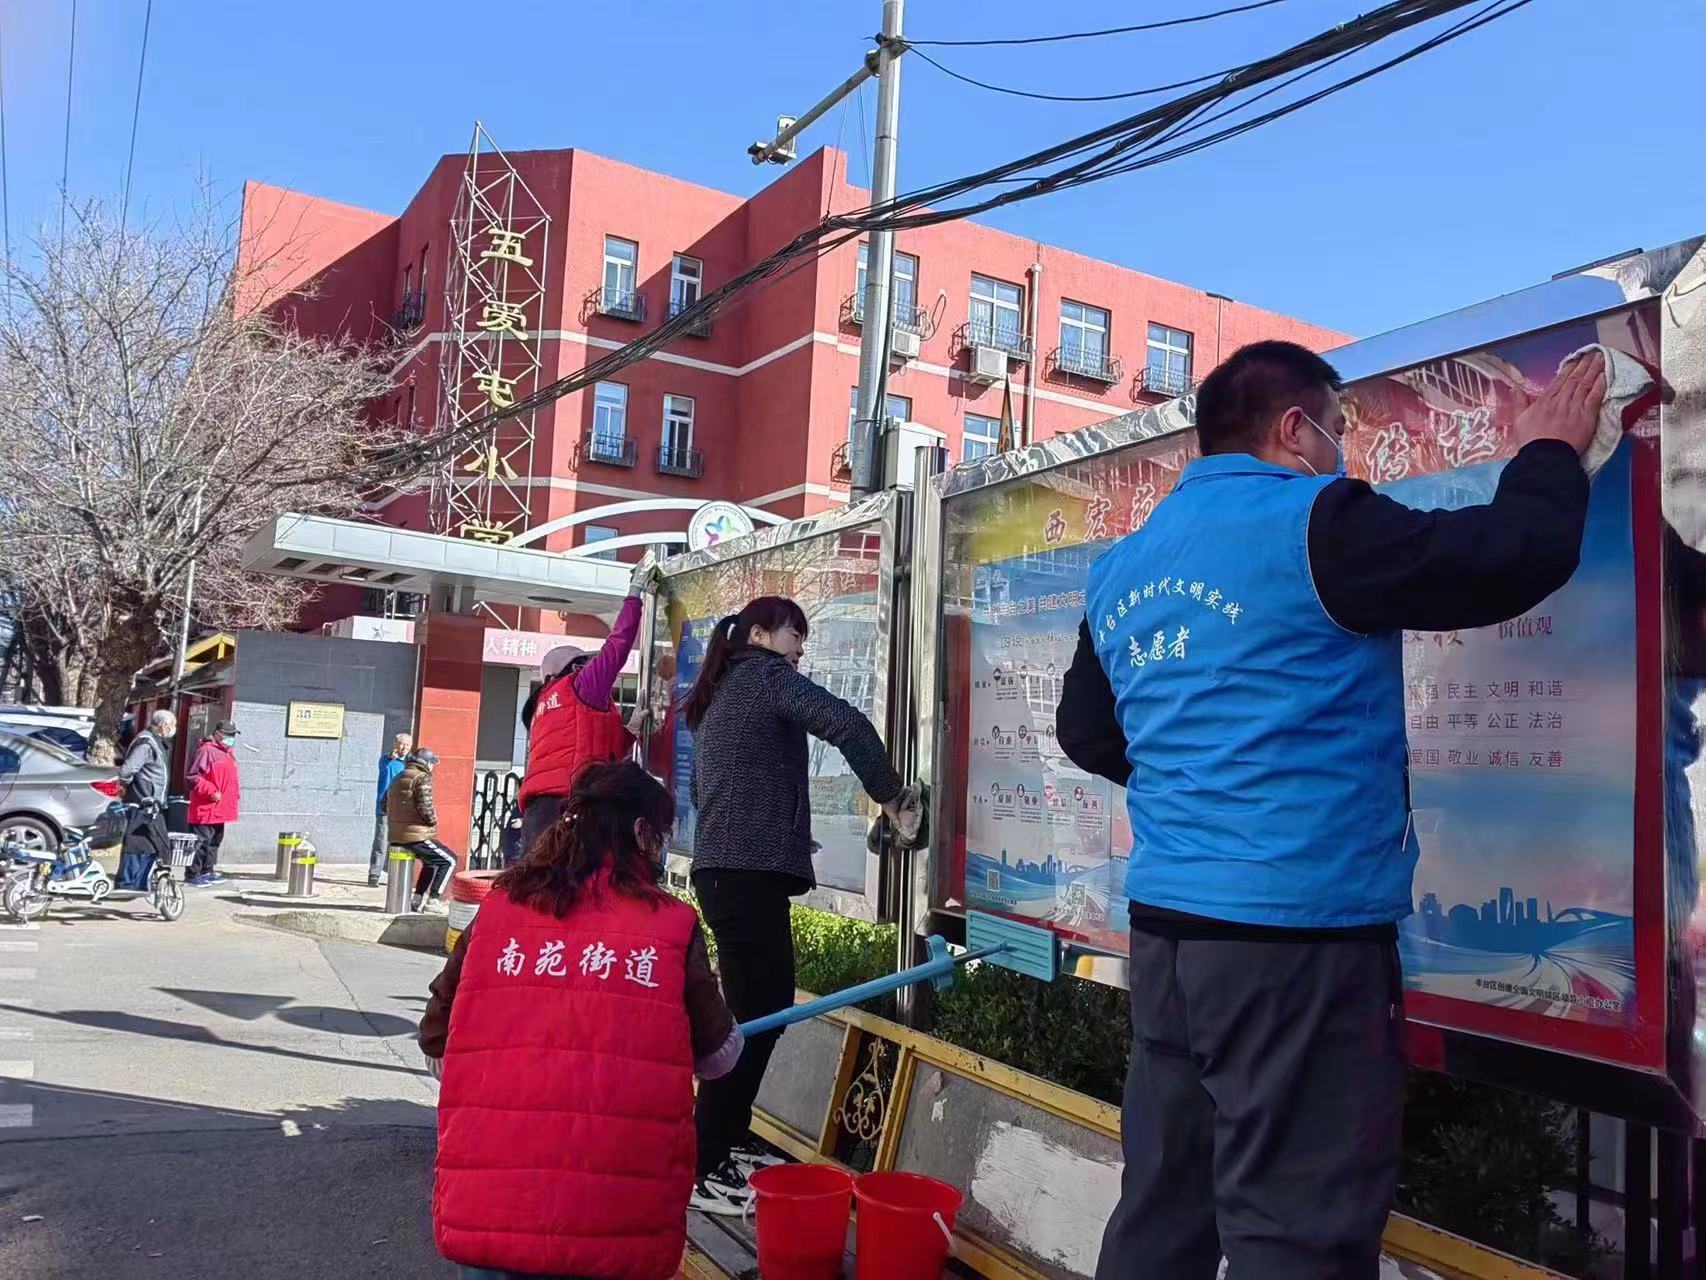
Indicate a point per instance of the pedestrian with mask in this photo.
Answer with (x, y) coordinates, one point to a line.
(214, 796)
(413, 822)
(571, 719)
(390, 765)
(565, 1031)
(147, 767)
(1264, 761)
(751, 711)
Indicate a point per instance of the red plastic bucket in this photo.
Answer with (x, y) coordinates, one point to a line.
(906, 1226)
(802, 1220)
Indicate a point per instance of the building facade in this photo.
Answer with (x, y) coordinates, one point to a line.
(755, 408)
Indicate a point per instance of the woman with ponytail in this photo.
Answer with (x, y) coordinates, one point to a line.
(751, 712)
(566, 1030)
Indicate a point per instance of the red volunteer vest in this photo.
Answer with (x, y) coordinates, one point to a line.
(565, 1115)
(568, 735)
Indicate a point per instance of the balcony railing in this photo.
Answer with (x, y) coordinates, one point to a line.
(699, 328)
(410, 315)
(1154, 381)
(619, 304)
(981, 333)
(673, 461)
(841, 464)
(908, 318)
(1097, 366)
(611, 450)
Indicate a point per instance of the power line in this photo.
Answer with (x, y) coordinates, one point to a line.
(136, 111)
(1106, 31)
(65, 159)
(1069, 97)
(1121, 146)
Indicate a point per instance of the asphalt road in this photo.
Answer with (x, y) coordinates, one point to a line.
(210, 1098)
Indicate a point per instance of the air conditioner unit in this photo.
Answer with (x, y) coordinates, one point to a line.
(903, 344)
(988, 364)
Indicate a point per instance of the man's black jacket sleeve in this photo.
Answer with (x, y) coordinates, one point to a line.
(1086, 725)
(1381, 566)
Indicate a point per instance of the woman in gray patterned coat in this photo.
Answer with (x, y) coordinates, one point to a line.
(751, 712)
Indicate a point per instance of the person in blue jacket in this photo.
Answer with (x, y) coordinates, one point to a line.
(1239, 672)
(390, 765)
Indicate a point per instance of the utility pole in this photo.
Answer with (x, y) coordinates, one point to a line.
(879, 273)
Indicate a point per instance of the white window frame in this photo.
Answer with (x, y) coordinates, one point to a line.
(682, 280)
(677, 411)
(593, 533)
(997, 309)
(1086, 351)
(975, 444)
(905, 273)
(1161, 352)
(616, 294)
(890, 404)
(603, 407)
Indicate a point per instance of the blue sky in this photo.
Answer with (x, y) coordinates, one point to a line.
(1483, 167)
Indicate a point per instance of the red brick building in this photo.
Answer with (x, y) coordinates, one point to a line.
(757, 408)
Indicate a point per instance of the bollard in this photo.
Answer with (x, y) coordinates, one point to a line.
(399, 880)
(287, 843)
(301, 882)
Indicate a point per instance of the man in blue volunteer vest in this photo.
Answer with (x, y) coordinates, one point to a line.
(1239, 672)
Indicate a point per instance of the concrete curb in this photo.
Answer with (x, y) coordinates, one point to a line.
(421, 932)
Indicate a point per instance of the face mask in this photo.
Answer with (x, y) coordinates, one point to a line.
(1338, 449)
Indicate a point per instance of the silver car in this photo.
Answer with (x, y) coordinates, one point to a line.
(45, 791)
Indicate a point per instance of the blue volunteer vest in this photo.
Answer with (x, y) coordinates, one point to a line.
(1266, 742)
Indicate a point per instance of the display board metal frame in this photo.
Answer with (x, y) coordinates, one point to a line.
(888, 514)
(1668, 1090)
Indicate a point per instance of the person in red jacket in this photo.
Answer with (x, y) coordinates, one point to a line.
(571, 719)
(212, 780)
(565, 1031)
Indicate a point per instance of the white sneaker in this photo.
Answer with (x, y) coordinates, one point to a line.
(723, 1193)
(751, 1156)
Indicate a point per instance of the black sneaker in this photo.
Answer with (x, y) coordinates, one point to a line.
(723, 1193)
(750, 1156)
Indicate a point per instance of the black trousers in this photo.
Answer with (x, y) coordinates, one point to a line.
(212, 835)
(436, 864)
(748, 915)
(536, 819)
(1263, 1110)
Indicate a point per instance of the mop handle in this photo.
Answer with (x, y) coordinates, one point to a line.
(941, 965)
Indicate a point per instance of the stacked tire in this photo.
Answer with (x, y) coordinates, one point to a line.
(468, 889)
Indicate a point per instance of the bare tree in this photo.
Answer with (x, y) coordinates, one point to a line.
(151, 415)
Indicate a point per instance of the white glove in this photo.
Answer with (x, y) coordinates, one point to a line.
(906, 813)
(646, 575)
(436, 1066)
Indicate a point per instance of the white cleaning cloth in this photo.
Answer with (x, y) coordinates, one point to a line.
(1628, 387)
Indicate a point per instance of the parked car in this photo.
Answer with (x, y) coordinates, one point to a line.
(45, 791)
(68, 727)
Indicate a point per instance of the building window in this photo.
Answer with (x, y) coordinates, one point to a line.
(997, 313)
(678, 424)
(896, 409)
(905, 289)
(1168, 370)
(610, 415)
(598, 533)
(621, 272)
(1083, 338)
(686, 281)
(981, 435)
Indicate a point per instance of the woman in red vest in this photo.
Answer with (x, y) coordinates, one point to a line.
(566, 1030)
(572, 720)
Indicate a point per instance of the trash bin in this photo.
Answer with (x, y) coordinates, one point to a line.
(287, 845)
(302, 860)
